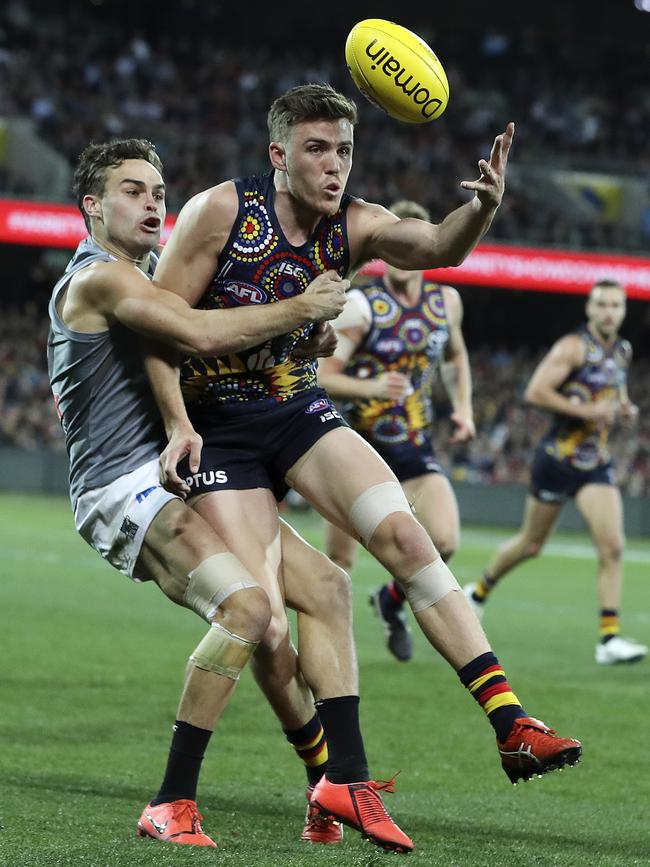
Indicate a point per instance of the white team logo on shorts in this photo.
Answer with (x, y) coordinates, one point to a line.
(213, 477)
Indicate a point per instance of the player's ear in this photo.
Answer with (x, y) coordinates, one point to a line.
(278, 156)
(92, 206)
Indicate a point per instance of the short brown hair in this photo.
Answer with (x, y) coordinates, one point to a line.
(90, 175)
(308, 102)
(406, 208)
(607, 283)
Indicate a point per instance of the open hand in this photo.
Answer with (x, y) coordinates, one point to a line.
(491, 184)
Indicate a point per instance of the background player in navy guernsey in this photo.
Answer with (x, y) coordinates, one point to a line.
(102, 303)
(582, 381)
(395, 334)
(261, 239)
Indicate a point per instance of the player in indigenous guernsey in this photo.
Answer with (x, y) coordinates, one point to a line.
(582, 381)
(266, 425)
(395, 334)
(101, 304)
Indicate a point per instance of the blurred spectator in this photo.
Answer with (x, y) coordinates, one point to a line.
(27, 415)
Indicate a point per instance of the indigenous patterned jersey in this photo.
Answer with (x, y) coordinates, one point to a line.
(583, 444)
(410, 340)
(258, 265)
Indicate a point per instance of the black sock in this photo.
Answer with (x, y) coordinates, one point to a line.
(310, 745)
(347, 761)
(184, 763)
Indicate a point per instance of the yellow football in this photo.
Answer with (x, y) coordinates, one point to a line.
(396, 70)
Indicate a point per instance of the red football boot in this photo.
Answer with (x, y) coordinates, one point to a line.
(175, 822)
(532, 749)
(320, 829)
(360, 806)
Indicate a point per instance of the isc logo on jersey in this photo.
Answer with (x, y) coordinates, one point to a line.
(245, 293)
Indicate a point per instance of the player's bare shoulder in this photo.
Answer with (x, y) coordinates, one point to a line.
(570, 344)
(569, 349)
(97, 289)
(365, 221)
(453, 304)
(93, 292)
(206, 219)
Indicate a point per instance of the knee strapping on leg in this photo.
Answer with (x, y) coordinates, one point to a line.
(222, 652)
(213, 581)
(429, 585)
(376, 503)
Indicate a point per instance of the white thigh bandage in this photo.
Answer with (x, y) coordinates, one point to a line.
(223, 652)
(429, 585)
(378, 502)
(214, 580)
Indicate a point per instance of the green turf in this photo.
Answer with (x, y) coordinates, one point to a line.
(91, 668)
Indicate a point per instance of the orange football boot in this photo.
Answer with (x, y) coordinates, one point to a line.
(532, 749)
(320, 829)
(175, 822)
(360, 806)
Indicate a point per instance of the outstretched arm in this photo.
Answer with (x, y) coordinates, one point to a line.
(413, 244)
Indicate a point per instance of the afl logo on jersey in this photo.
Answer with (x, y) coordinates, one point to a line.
(390, 345)
(318, 405)
(245, 293)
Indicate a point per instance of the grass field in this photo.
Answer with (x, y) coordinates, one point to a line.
(91, 669)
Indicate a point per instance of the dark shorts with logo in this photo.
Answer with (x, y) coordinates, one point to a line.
(407, 460)
(553, 481)
(256, 448)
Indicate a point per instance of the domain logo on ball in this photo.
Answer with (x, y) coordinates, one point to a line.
(397, 71)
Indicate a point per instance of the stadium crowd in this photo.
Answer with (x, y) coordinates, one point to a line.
(507, 430)
(204, 101)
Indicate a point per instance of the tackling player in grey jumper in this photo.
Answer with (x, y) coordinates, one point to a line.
(113, 435)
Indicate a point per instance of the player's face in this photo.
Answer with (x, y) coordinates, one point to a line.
(318, 159)
(131, 210)
(606, 310)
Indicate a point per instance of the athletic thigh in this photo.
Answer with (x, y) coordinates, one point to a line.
(247, 521)
(436, 508)
(335, 471)
(602, 508)
(539, 519)
(176, 542)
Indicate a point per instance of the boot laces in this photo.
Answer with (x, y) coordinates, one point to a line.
(370, 804)
(186, 809)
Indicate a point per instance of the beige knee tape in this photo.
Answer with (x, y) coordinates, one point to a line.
(378, 502)
(213, 581)
(223, 652)
(429, 585)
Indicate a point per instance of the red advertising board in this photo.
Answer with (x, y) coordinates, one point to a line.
(497, 265)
